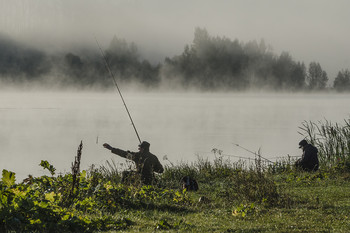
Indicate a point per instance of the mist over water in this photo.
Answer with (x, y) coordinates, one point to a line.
(50, 125)
(163, 45)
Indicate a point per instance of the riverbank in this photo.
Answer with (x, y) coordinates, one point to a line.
(231, 197)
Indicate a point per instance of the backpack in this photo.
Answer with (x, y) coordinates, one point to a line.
(189, 183)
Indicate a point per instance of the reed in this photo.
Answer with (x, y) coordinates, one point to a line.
(76, 170)
(331, 139)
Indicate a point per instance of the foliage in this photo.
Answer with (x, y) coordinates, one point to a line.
(217, 63)
(46, 165)
(244, 209)
(229, 193)
(8, 178)
(331, 139)
(46, 204)
(342, 81)
(231, 197)
(18, 62)
(316, 77)
(282, 165)
(208, 63)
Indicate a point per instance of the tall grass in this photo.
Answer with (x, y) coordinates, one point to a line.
(331, 139)
(232, 197)
(225, 182)
(220, 180)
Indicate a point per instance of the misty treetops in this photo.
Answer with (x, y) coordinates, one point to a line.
(209, 63)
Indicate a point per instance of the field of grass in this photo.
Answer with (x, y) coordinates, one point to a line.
(232, 197)
(229, 199)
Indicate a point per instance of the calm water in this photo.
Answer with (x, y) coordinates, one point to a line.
(50, 126)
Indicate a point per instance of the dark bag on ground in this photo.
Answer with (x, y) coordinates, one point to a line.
(189, 183)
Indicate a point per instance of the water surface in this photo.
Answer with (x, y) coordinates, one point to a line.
(39, 126)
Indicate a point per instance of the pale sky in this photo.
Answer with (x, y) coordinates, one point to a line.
(310, 30)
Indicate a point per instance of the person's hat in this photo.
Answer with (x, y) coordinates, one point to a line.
(144, 144)
(302, 143)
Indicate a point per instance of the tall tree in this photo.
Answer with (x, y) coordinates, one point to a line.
(316, 77)
(299, 75)
(342, 81)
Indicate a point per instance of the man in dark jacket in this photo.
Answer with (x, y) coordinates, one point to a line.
(146, 162)
(309, 159)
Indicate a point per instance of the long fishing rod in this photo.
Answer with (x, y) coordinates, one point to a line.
(254, 153)
(230, 155)
(116, 84)
(236, 156)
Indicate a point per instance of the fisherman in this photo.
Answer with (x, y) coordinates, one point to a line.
(309, 159)
(146, 162)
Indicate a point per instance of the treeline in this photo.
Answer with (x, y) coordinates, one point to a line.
(17, 62)
(20, 64)
(209, 63)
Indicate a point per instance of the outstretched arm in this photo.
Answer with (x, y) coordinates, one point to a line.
(107, 146)
(117, 151)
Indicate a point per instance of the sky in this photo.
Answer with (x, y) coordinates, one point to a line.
(310, 30)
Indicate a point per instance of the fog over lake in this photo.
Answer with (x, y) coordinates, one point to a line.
(50, 125)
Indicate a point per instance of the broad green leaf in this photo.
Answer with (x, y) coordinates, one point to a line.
(8, 178)
(43, 204)
(35, 221)
(50, 196)
(66, 217)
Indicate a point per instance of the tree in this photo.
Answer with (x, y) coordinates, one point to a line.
(282, 71)
(298, 75)
(316, 77)
(73, 61)
(201, 41)
(342, 81)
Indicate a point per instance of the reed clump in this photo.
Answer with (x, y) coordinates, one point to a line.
(332, 141)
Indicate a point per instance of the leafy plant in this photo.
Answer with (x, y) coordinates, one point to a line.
(244, 209)
(8, 178)
(46, 165)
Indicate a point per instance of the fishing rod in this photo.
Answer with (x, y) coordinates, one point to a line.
(254, 153)
(236, 156)
(116, 84)
(230, 155)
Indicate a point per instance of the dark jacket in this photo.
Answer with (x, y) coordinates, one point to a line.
(146, 163)
(309, 159)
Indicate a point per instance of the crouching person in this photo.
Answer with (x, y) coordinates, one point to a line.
(146, 162)
(309, 159)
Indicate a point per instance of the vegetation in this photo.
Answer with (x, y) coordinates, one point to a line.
(342, 81)
(317, 78)
(217, 63)
(208, 63)
(331, 139)
(232, 196)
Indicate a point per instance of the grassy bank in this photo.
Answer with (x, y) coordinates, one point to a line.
(232, 197)
(229, 199)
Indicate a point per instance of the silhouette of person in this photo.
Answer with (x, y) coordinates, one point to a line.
(309, 159)
(146, 162)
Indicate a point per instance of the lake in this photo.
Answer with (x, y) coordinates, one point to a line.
(49, 126)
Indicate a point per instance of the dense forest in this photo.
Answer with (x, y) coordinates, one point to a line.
(209, 63)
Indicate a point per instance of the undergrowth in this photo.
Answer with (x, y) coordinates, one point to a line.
(97, 200)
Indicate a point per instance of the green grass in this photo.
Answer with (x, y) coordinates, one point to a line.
(231, 197)
(235, 200)
(318, 206)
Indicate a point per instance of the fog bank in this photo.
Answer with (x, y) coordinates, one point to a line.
(315, 30)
